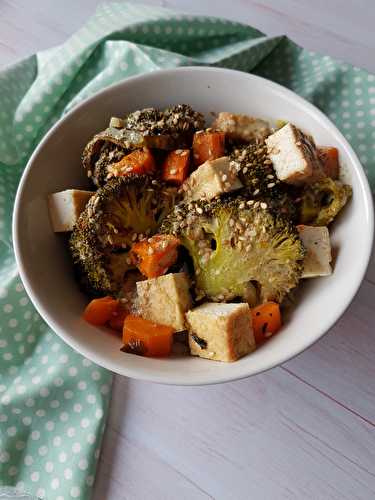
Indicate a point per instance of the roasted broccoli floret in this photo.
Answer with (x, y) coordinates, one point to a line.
(322, 201)
(175, 120)
(125, 210)
(235, 245)
(256, 172)
(170, 129)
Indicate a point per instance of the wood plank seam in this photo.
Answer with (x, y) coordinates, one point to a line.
(328, 396)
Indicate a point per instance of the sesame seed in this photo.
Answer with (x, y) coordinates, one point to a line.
(199, 210)
(134, 237)
(173, 171)
(242, 238)
(270, 176)
(224, 177)
(270, 185)
(248, 248)
(89, 173)
(178, 151)
(231, 222)
(128, 261)
(250, 202)
(244, 170)
(263, 205)
(241, 205)
(268, 334)
(256, 192)
(199, 132)
(150, 251)
(227, 185)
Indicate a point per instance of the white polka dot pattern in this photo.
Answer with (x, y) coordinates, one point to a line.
(53, 401)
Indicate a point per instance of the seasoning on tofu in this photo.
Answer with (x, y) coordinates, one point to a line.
(194, 234)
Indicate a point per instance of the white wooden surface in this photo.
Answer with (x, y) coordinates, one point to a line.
(301, 431)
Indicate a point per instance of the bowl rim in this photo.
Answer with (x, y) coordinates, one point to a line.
(209, 378)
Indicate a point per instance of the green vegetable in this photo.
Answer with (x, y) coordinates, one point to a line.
(322, 201)
(166, 130)
(235, 245)
(125, 210)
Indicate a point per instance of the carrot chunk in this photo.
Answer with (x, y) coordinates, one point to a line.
(208, 146)
(117, 319)
(139, 161)
(99, 311)
(176, 166)
(154, 256)
(266, 320)
(146, 338)
(330, 160)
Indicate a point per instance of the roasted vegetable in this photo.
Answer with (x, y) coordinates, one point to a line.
(322, 201)
(174, 121)
(329, 156)
(256, 172)
(150, 128)
(146, 338)
(176, 166)
(234, 244)
(125, 210)
(266, 320)
(140, 161)
(99, 311)
(208, 146)
(154, 256)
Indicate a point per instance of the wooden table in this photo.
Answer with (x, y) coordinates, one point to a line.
(304, 430)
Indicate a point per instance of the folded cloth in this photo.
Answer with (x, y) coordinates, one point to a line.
(53, 402)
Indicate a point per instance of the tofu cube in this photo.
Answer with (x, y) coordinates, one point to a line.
(165, 299)
(294, 155)
(65, 207)
(318, 257)
(241, 127)
(222, 332)
(212, 178)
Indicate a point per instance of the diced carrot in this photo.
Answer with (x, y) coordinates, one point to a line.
(208, 146)
(99, 311)
(266, 320)
(176, 166)
(146, 338)
(330, 160)
(155, 255)
(139, 161)
(117, 320)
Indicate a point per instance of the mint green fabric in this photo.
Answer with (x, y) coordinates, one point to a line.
(53, 402)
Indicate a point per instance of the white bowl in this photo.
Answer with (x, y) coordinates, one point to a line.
(43, 258)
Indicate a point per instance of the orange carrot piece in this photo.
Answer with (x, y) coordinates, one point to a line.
(176, 166)
(146, 338)
(99, 311)
(208, 146)
(266, 320)
(154, 256)
(330, 160)
(117, 320)
(139, 161)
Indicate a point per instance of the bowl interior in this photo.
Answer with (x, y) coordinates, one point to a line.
(44, 261)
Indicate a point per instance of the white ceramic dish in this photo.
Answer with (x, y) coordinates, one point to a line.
(44, 262)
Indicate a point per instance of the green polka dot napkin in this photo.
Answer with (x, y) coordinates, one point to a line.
(53, 402)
